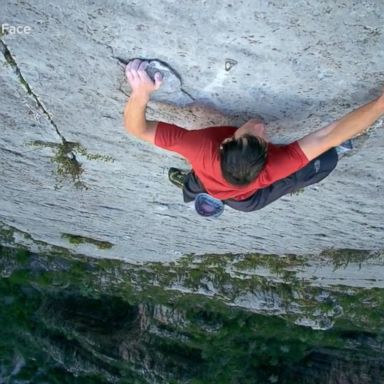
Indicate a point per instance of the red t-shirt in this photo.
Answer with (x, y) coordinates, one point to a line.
(201, 149)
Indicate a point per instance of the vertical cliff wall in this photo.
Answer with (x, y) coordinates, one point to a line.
(70, 176)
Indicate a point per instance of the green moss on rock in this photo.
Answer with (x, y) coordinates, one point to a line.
(77, 239)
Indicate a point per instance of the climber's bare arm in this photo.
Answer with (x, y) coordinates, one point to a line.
(134, 113)
(254, 127)
(341, 130)
(134, 119)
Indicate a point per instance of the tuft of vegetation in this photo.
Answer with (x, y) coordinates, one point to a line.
(77, 239)
(6, 234)
(341, 258)
(68, 166)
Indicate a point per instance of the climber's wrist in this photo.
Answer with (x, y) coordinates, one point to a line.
(140, 97)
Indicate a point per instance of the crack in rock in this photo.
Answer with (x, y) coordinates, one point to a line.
(12, 62)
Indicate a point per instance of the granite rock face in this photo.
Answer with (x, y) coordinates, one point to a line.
(71, 177)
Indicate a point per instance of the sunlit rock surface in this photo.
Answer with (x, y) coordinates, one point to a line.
(70, 175)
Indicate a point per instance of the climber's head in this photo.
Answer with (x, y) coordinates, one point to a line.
(242, 156)
(242, 159)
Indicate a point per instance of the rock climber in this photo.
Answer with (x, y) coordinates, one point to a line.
(239, 167)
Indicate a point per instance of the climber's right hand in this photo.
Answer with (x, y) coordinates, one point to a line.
(139, 80)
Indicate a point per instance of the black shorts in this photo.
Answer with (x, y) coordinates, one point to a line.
(312, 173)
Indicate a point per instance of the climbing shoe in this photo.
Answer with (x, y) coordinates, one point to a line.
(176, 176)
(344, 148)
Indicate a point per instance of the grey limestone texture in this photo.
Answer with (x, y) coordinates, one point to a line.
(68, 167)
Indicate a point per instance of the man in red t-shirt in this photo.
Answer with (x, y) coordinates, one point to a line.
(238, 165)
